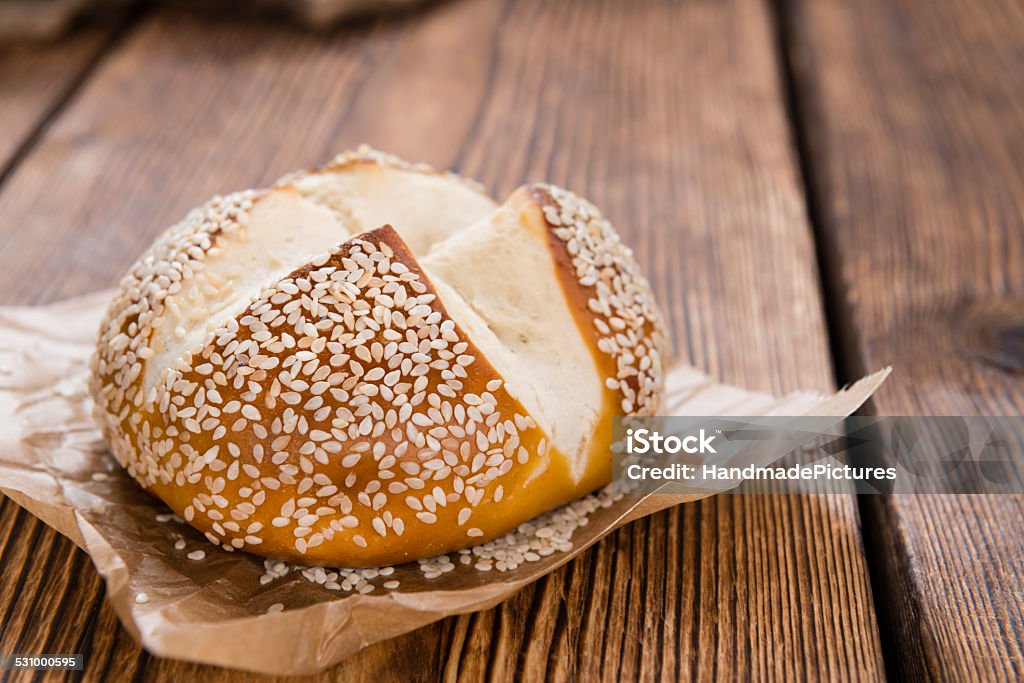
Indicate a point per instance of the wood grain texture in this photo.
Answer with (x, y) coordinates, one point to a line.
(35, 79)
(915, 115)
(669, 116)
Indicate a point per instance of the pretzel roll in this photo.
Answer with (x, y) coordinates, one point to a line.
(371, 362)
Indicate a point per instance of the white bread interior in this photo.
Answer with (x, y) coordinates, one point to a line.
(424, 208)
(527, 330)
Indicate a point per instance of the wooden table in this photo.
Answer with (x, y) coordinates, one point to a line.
(818, 188)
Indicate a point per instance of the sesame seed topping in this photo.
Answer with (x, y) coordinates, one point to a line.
(343, 407)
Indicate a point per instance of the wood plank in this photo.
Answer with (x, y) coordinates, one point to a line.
(34, 79)
(669, 116)
(915, 114)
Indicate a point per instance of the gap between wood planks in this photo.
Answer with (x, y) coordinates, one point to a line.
(840, 330)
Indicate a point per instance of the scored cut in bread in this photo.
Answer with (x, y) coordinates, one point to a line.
(371, 362)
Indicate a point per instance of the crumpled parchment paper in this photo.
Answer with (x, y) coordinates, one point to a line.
(54, 463)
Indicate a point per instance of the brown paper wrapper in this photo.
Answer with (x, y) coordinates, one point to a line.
(214, 610)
